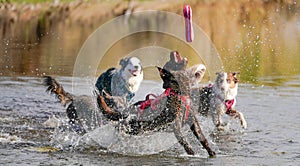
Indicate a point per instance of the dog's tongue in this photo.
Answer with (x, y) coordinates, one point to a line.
(134, 72)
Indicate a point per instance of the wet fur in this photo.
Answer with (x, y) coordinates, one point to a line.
(212, 99)
(81, 110)
(171, 112)
(120, 85)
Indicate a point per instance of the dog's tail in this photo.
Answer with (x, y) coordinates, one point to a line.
(55, 88)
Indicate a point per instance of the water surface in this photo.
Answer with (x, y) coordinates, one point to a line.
(271, 138)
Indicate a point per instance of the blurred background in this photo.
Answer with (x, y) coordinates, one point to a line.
(259, 38)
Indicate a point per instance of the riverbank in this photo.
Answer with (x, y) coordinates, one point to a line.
(258, 38)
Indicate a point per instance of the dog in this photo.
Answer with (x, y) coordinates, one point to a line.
(83, 111)
(176, 62)
(121, 84)
(220, 98)
(173, 108)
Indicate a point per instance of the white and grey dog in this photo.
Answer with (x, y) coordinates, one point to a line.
(220, 98)
(83, 110)
(122, 82)
(120, 85)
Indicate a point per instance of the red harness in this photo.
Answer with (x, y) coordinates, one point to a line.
(154, 102)
(229, 104)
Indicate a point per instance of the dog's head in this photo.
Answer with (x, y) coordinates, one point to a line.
(176, 62)
(177, 81)
(131, 67)
(196, 73)
(232, 79)
(226, 81)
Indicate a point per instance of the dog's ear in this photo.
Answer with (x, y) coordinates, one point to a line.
(124, 62)
(235, 73)
(163, 73)
(235, 79)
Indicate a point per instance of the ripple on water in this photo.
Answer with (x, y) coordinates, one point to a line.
(271, 112)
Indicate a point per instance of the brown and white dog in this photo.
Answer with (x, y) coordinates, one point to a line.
(220, 98)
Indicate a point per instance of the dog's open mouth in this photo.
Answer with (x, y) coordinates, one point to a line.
(134, 72)
(198, 75)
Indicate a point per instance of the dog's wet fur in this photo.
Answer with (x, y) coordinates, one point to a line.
(124, 81)
(212, 99)
(172, 111)
(83, 111)
(176, 62)
(121, 84)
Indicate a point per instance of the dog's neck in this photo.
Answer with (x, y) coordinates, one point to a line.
(232, 92)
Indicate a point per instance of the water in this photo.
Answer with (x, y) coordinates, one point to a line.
(272, 137)
(259, 39)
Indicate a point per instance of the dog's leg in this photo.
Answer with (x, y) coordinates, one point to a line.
(106, 110)
(217, 113)
(181, 139)
(216, 117)
(195, 127)
(242, 119)
(236, 114)
(71, 113)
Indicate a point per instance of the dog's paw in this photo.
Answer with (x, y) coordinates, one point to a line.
(220, 128)
(212, 153)
(244, 123)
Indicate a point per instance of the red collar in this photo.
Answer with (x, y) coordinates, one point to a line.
(228, 103)
(154, 102)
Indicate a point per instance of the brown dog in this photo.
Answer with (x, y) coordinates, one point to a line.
(176, 62)
(220, 98)
(173, 108)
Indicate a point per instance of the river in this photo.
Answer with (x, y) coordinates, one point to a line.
(261, 40)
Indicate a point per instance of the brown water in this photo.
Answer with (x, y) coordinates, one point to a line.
(261, 40)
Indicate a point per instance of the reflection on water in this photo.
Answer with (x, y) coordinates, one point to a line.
(257, 39)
